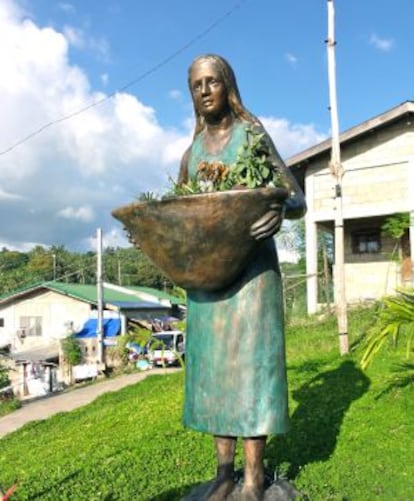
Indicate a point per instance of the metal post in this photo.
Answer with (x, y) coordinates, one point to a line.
(337, 172)
(54, 267)
(99, 294)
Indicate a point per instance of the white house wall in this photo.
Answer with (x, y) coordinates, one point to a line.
(369, 281)
(58, 313)
(378, 181)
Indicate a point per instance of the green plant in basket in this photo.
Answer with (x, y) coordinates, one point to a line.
(252, 169)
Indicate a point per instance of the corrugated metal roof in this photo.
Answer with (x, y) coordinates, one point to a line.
(39, 354)
(88, 293)
(158, 294)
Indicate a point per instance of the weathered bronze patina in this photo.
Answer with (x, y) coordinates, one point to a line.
(218, 247)
(182, 235)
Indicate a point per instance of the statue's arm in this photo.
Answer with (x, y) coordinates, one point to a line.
(293, 207)
(295, 204)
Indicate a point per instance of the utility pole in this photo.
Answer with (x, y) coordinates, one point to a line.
(54, 267)
(119, 272)
(337, 172)
(99, 295)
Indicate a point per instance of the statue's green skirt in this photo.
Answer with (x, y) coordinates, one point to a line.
(235, 354)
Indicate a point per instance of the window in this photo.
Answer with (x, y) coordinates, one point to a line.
(366, 242)
(31, 326)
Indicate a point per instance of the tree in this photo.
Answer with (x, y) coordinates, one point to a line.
(397, 225)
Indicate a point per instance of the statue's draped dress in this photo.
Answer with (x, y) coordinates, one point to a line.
(235, 354)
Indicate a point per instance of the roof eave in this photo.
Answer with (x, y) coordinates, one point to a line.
(350, 134)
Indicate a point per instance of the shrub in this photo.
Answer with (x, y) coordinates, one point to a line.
(71, 350)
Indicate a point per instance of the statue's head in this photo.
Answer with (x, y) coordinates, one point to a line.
(227, 75)
(224, 69)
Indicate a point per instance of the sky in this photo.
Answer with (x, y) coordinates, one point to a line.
(95, 107)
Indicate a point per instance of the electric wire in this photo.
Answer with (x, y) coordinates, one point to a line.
(129, 84)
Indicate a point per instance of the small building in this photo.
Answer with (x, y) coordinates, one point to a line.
(378, 181)
(35, 319)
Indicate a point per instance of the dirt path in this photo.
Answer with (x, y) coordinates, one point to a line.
(63, 402)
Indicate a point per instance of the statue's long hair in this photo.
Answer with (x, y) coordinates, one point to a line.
(236, 106)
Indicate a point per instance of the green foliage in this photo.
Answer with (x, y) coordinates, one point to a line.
(348, 440)
(395, 320)
(4, 371)
(147, 196)
(72, 350)
(4, 377)
(396, 225)
(191, 187)
(253, 168)
(123, 266)
(9, 405)
(136, 335)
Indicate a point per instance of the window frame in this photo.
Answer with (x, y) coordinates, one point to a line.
(363, 240)
(31, 325)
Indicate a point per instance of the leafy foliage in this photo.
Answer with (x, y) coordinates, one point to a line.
(395, 320)
(136, 335)
(71, 350)
(123, 266)
(396, 225)
(252, 169)
(4, 371)
(9, 405)
(4, 377)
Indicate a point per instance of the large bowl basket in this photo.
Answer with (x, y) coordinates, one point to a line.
(199, 241)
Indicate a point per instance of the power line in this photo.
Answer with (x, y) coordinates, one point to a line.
(132, 82)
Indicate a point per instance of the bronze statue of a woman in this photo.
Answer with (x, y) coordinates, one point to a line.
(236, 384)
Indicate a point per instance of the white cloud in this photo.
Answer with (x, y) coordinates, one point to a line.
(115, 237)
(74, 36)
(291, 138)
(60, 185)
(101, 47)
(83, 214)
(291, 58)
(175, 94)
(382, 44)
(77, 38)
(4, 195)
(79, 169)
(66, 7)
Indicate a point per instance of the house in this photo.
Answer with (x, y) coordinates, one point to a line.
(378, 181)
(34, 320)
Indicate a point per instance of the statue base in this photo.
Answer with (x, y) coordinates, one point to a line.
(277, 489)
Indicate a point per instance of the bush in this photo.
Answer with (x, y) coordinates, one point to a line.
(71, 350)
(9, 405)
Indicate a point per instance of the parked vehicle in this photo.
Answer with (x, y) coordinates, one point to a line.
(166, 348)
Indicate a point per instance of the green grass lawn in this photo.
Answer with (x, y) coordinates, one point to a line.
(351, 438)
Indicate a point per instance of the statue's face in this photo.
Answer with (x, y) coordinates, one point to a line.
(208, 89)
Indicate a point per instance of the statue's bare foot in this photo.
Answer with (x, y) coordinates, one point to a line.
(251, 493)
(220, 488)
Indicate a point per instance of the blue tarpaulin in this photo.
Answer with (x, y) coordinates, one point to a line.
(111, 327)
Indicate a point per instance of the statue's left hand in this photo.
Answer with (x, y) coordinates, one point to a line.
(268, 224)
